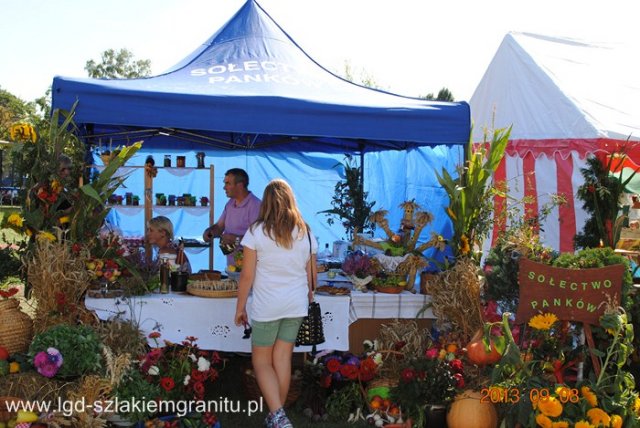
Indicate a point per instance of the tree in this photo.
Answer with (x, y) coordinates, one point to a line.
(366, 79)
(118, 65)
(443, 95)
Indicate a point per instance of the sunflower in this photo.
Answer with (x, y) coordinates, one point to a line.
(543, 421)
(589, 395)
(550, 406)
(583, 424)
(616, 421)
(15, 220)
(543, 321)
(598, 417)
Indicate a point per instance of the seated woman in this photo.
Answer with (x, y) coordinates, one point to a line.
(160, 234)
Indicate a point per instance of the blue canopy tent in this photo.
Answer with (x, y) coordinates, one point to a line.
(251, 97)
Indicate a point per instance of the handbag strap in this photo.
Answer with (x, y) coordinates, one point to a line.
(313, 265)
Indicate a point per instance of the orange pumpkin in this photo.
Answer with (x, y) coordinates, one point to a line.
(468, 407)
(477, 353)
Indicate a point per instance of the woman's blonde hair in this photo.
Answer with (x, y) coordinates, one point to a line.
(162, 223)
(279, 213)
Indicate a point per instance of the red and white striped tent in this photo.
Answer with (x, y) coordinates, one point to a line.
(566, 99)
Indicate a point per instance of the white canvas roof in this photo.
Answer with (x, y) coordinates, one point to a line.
(559, 88)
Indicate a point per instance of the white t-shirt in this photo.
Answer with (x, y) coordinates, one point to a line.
(280, 288)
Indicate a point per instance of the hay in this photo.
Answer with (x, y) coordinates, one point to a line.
(35, 387)
(455, 297)
(401, 340)
(59, 279)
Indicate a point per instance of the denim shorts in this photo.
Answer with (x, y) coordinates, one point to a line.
(265, 333)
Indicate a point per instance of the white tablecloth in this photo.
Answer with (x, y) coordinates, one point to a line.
(177, 315)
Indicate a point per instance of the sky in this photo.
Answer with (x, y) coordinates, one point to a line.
(409, 47)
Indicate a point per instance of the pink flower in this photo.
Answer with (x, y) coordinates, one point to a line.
(432, 353)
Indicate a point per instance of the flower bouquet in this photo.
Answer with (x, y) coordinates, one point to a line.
(360, 269)
(182, 370)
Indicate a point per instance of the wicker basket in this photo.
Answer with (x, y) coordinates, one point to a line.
(252, 390)
(5, 415)
(16, 328)
(219, 288)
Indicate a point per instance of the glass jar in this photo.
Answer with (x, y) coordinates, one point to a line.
(200, 159)
(167, 161)
(180, 161)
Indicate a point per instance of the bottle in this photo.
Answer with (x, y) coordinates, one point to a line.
(165, 272)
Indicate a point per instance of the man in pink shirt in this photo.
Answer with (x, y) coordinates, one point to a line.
(238, 214)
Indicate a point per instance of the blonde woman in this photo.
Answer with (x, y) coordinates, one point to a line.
(277, 264)
(160, 234)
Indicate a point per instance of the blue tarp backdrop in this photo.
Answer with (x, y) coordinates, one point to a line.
(250, 97)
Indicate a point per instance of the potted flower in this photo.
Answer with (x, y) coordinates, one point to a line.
(77, 347)
(360, 268)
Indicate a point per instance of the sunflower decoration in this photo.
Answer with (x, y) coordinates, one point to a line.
(543, 321)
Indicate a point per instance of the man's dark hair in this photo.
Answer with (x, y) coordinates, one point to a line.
(239, 176)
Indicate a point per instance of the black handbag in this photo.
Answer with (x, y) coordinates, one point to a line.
(311, 330)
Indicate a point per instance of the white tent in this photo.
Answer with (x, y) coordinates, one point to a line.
(566, 99)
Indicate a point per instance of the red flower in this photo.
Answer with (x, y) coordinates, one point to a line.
(154, 355)
(456, 365)
(167, 383)
(76, 247)
(197, 375)
(459, 380)
(198, 389)
(368, 369)
(349, 371)
(407, 375)
(333, 365)
(154, 335)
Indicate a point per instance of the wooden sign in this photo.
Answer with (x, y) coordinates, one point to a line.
(571, 294)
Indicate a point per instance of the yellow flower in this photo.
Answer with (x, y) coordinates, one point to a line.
(464, 245)
(560, 424)
(543, 421)
(56, 186)
(616, 421)
(22, 132)
(543, 321)
(636, 406)
(46, 235)
(588, 395)
(29, 232)
(15, 220)
(550, 406)
(65, 219)
(598, 416)
(583, 424)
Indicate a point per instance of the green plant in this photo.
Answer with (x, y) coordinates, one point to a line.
(134, 387)
(520, 239)
(349, 203)
(424, 381)
(601, 194)
(469, 196)
(79, 345)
